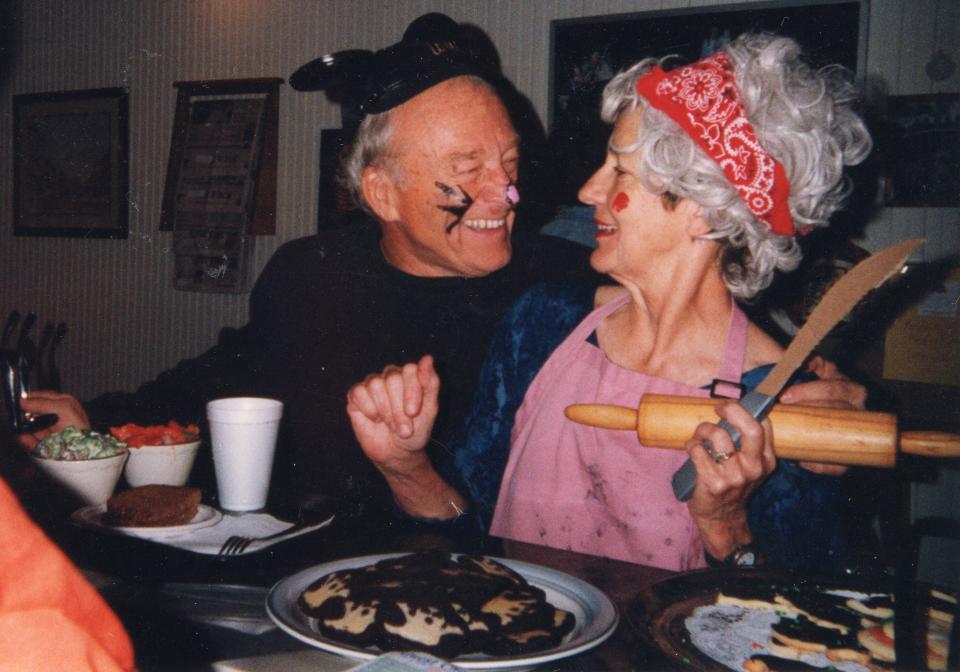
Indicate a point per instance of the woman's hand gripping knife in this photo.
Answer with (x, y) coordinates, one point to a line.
(726, 477)
(833, 390)
(392, 414)
(68, 409)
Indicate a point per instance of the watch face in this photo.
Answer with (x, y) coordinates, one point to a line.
(744, 557)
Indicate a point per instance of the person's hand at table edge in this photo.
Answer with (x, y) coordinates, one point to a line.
(67, 408)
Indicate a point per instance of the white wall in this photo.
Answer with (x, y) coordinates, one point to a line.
(126, 323)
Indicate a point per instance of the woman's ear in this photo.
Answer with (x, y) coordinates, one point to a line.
(696, 223)
(379, 193)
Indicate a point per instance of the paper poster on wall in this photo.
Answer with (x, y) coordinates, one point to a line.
(216, 194)
(923, 344)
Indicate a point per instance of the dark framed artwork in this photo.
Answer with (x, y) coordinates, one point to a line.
(921, 151)
(70, 163)
(587, 52)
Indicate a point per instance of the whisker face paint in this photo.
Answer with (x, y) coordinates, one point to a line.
(463, 199)
(620, 202)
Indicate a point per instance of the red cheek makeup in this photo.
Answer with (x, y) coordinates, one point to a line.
(620, 202)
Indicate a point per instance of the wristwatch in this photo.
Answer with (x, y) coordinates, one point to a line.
(743, 556)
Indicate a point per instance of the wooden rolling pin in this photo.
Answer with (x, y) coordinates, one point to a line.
(799, 432)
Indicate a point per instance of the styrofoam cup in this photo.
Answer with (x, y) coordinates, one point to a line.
(243, 433)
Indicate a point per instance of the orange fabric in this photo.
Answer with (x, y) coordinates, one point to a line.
(51, 618)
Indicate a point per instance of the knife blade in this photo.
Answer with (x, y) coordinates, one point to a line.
(842, 296)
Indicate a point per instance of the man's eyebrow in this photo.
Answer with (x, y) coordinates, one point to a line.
(513, 145)
(464, 156)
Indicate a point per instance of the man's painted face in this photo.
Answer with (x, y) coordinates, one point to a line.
(455, 193)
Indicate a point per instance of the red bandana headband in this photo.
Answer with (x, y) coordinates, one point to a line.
(704, 101)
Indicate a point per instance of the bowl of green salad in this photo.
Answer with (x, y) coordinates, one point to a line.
(85, 462)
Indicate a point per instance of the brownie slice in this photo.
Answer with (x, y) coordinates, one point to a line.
(153, 506)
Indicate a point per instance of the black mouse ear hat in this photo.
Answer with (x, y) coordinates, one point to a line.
(433, 49)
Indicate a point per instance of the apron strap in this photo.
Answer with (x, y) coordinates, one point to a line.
(597, 315)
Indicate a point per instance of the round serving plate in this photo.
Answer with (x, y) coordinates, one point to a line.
(595, 614)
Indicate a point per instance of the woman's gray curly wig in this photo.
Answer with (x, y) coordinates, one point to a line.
(802, 117)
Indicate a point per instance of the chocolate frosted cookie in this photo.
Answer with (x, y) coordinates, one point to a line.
(490, 569)
(753, 596)
(413, 624)
(433, 603)
(339, 609)
(876, 607)
(767, 663)
(794, 637)
(523, 641)
(828, 610)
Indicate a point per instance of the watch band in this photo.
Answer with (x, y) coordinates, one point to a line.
(744, 556)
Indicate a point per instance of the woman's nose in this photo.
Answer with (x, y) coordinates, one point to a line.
(592, 192)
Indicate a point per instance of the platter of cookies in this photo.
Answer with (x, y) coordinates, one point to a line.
(758, 621)
(481, 613)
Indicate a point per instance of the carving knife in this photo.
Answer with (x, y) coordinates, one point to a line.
(842, 296)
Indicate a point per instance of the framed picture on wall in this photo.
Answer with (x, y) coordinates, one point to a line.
(70, 163)
(220, 190)
(587, 52)
(921, 151)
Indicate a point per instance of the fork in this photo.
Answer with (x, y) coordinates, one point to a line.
(237, 544)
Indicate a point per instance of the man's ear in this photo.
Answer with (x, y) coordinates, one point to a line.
(379, 193)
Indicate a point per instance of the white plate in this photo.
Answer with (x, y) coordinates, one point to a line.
(92, 516)
(596, 616)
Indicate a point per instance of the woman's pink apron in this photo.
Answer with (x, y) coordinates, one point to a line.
(592, 490)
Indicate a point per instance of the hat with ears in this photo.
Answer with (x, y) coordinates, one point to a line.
(433, 49)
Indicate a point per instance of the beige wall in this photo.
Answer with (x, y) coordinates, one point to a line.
(126, 323)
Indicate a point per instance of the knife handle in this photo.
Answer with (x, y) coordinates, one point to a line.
(684, 481)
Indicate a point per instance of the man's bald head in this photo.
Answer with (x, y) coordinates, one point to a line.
(371, 146)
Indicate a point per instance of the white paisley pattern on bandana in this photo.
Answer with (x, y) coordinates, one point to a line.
(704, 101)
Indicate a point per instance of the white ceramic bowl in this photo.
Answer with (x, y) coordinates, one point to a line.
(93, 481)
(167, 465)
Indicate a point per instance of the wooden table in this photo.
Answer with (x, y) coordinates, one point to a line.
(149, 585)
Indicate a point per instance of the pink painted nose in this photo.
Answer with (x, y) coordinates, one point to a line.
(512, 195)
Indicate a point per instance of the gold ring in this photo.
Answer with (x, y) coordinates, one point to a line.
(717, 456)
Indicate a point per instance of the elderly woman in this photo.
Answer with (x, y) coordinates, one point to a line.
(711, 172)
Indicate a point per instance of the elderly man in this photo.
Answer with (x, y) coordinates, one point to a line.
(434, 164)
